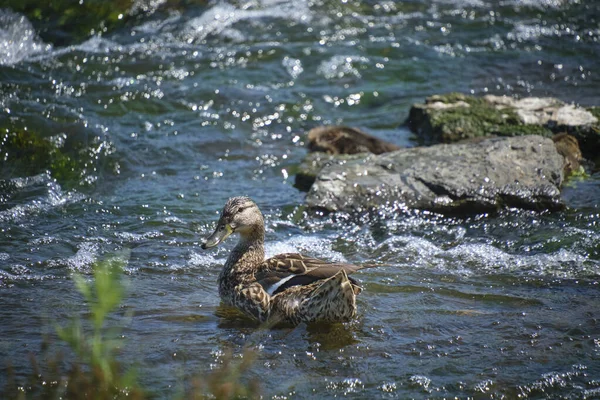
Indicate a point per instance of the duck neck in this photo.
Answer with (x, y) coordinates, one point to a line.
(247, 254)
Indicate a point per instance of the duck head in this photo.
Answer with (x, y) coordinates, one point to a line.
(240, 215)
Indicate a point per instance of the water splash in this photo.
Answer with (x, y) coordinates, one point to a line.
(18, 39)
(308, 245)
(483, 258)
(342, 66)
(83, 259)
(293, 66)
(219, 19)
(26, 197)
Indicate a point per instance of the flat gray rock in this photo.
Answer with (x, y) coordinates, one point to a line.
(468, 178)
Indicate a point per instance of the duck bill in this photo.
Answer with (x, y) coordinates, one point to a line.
(220, 234)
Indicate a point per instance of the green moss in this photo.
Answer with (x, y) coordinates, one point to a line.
(523, 129)
(595, 111)
(27, 153)
(472, 117)
(453, 97)
(477, 120)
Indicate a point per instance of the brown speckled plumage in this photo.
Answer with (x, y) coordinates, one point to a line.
(286, 288)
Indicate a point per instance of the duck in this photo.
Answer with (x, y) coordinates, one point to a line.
(287, 288)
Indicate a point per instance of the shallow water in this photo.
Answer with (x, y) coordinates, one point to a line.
(181, 110)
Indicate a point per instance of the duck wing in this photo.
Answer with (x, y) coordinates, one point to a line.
(280, 272)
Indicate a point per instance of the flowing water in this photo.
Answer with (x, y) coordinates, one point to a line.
(179, 110)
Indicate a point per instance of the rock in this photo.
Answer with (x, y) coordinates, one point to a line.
(468, 178)
(346, 140)
(568, 147)
(454, 117)
(588, 136)
(314, 162)
(74, 159)
(336, 144)
(543, 110)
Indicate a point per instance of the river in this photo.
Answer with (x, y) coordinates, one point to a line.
(178, 110)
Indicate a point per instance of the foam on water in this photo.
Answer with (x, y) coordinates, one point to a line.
(129, 237)
(484, 258)
(307, 245)
(18, 39)
(81, 261)
(554, 380)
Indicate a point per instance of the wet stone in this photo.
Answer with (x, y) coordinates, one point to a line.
(333, 144)
(345, 140)
(314, 162)
(524, 172)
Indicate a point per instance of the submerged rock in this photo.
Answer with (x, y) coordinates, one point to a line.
(73, 159)
(524, 172)
(346, 140)
(454, 117)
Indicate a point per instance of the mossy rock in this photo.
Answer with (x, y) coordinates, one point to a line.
(26, 153)
(455, 117)
(66, 159)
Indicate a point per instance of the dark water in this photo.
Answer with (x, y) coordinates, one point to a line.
(181, 110)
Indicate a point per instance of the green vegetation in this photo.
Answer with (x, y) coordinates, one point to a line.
(226, 382)
(596, 113)
(69, 160)
(97, 351)
(474, 118)
(94, 370)
(30, 154)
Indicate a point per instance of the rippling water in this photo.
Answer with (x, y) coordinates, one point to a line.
(179, 110)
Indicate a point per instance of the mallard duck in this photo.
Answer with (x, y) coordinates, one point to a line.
(288, 287)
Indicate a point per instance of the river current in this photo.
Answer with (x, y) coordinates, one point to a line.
(181, 109)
